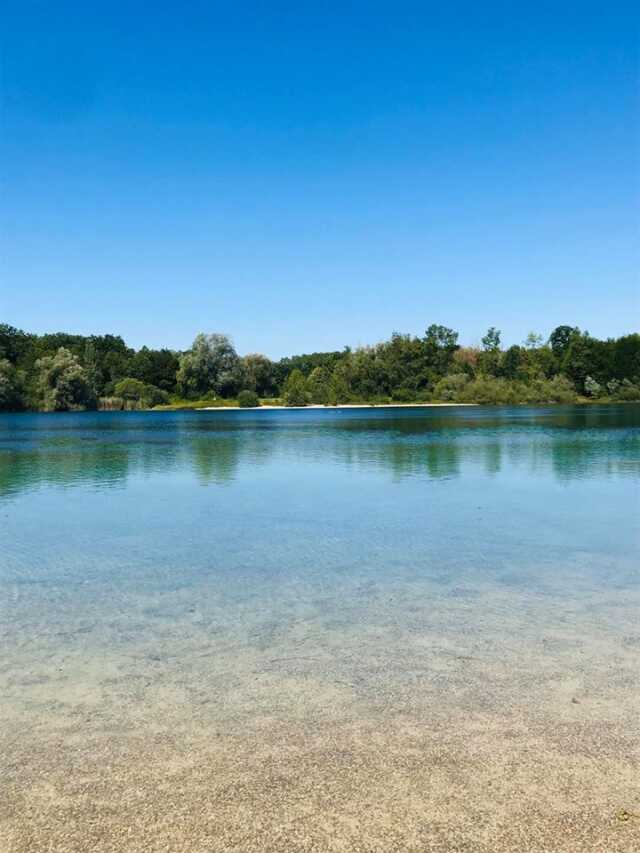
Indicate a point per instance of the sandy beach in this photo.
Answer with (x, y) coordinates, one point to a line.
(339, 406)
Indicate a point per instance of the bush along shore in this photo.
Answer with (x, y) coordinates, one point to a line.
(65, 372)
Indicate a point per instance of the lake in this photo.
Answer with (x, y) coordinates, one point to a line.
(323, 630)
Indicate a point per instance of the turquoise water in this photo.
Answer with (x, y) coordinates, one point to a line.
(175, 578)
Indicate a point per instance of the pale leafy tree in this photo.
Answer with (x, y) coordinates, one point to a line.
(63, 382)
(533, 340)
(211, 366)
(592, 387)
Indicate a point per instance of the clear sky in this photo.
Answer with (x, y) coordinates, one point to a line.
(307, 175)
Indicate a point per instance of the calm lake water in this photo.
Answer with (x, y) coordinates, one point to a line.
(313, 630)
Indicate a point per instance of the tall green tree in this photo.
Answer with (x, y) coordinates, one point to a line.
(259, 374)
(560, 339)
(317, 385)
(489, 358)
(440, 344)
(491, 341)
(513, 363)
(295, 389)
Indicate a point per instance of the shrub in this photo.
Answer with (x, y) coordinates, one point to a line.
(487, 390)
(403, 395)
(628, 391)
(561, 390)
(130, 389)
(450, 386)
(138, 394)
(423, 396)
(248, 399)
(155, 396)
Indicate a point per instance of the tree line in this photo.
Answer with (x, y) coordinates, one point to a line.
(61, 372)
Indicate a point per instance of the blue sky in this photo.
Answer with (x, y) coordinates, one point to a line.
(304, 176)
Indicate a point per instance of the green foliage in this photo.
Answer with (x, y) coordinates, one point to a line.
(491, 341)
(451, 388)
(624, 357)
(211, 366)
(587, 356)
(559, 390)
(540, 362)
(533, 340)
(248, 399)
(34, 373)
(488, 390)
(513, 364)
(440, 344)
(63, 382)
(305, 363)
(496, 391)
(259, 374)
(295, 389)
(403, 395)
(14, 343)
(591, 387)
(130, 389)
(318, 385)
(142, 393)
(628, 391)
(560, 339)
(155, 367)
(340, 383)
(489, 358)
(11, 381)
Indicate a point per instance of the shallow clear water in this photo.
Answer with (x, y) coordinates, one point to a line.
(278, 585)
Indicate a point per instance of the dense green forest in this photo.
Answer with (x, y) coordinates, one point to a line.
(59, 372)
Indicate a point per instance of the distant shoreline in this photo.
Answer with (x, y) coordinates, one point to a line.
(337, 406)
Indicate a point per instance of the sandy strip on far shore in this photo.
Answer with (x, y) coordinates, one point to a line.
(340, 406)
